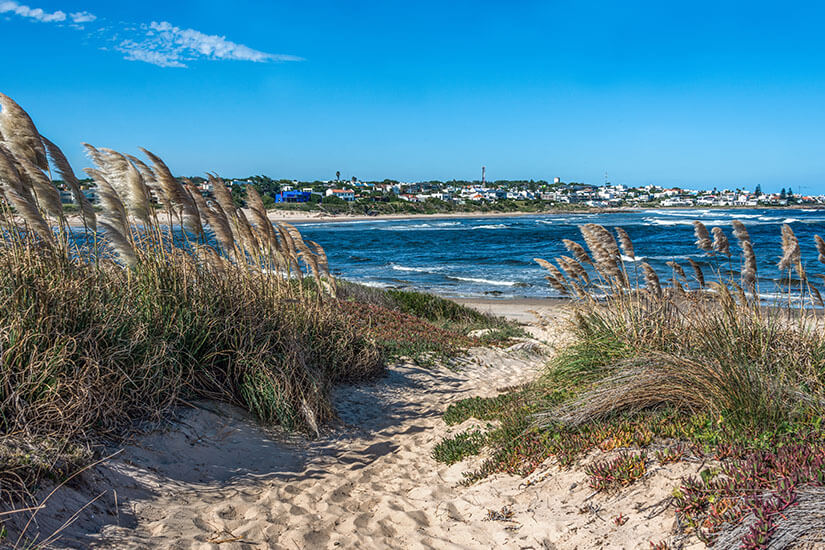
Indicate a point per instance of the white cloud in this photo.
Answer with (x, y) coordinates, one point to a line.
(82, 17)
(160, 44)
(140, 52)
(165, 45)
(32, 13)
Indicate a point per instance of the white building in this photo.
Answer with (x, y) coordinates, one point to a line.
(344, 194)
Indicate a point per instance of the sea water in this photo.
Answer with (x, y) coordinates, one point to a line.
(493, 256)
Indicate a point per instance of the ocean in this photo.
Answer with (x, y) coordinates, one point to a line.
(493, 256)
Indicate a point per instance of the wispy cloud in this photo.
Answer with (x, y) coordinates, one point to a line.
(165, 45)
(32, 13)
(159, 43)
(82, 17)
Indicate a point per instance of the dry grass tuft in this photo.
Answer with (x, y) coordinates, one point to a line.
(704, 348)
(102, 330)
(718, 357)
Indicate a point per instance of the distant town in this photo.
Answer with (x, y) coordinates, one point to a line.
(353, 194)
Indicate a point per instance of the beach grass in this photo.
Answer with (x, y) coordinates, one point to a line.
(696, 367)
(164, 297)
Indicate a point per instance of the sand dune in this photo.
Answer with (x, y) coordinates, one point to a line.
(214, 479)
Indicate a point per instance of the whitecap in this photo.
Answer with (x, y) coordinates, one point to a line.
(374, 284)
(655, 221)
(495, 226)
(636, 259)
(553, 221)
(397, 267)
(482, 281)
(426, 225)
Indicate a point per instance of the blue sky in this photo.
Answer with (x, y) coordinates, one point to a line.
(697, 94)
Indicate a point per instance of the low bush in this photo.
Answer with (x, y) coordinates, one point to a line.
(414, 324)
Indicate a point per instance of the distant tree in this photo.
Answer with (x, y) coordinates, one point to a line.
(782, 194)
(332, 199)
(790, 192)
(338, 176)
(354, 179)
(238, 194)
(758, 190)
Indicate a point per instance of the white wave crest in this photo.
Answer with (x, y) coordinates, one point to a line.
(366, 282)
(397, 267)
(426, 225)
(655, 221)
(482, 281)
(636, 259)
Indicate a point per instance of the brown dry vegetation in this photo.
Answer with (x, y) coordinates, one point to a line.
(103, 329)
(163, 297)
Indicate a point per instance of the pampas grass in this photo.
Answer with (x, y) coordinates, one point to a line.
(20, 134)
(63, 167)
(761, 361)
(99, 332)
(720, 241)
(627, 244)
(702, 236)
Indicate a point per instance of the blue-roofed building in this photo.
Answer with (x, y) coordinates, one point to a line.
(292, 196)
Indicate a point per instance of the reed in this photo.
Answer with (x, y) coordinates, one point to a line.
(166, 303)
(710, 355)
(700, 363)
(762, 361)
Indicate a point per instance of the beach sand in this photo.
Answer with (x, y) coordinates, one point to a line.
(291, 216)
(212, 478)
(298, 216)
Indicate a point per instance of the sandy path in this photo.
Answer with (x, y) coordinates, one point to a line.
(371, 483)
(214, 479)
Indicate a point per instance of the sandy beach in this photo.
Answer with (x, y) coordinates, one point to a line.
(299, 216)
(292, 216)
(212, 478)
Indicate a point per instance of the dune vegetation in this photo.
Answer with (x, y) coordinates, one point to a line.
(694, 368)
(161, 296)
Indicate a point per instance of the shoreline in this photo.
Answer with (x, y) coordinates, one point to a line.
(290, 216)
(301, 216)
(74, 219)
(529, 312)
